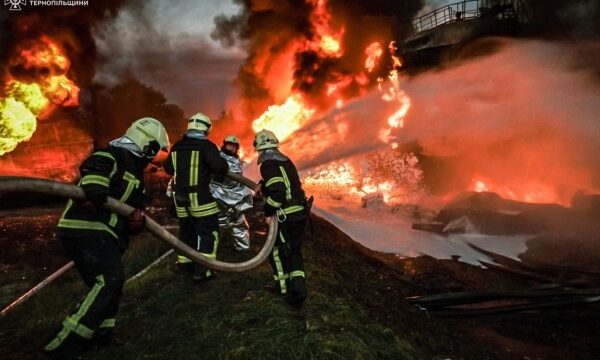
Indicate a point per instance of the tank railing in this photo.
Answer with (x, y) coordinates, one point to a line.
(471, 9)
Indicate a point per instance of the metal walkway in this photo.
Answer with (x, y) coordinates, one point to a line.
(471, 9)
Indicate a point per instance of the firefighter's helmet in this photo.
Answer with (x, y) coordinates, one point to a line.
(265, 139)
(232, 139)
(149, 135)
(199, 122)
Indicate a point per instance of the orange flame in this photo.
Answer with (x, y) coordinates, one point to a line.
(480, 186)
(395, 176)
(47, 62)
(284, 119)
(533, 192)
(373, 52)
(44, 54)
(396, 62)
(394, 93)
(62, 90)
(330, 45)
(327, 41)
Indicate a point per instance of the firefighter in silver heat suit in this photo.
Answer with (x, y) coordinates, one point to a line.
(232, 197)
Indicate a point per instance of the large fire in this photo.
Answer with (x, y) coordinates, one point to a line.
(342, 100)
(485, 157)
(284, 119)
(358, 176)
(43, 67)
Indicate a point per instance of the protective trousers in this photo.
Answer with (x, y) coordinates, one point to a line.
(98, 260)
(202, 235)
(287, 262)
(230, 220)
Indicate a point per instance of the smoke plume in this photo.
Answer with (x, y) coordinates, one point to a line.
(166, 45)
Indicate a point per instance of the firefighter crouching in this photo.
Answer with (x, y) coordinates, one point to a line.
(192, 161)
(95, 238)
(232, 197)
(285, 202)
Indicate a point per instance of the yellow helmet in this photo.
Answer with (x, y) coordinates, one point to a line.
(200, 122)
(149, 135)
(265, 139)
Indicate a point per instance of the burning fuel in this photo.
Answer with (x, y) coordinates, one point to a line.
(517, 131)
(18, 113)
(43, 66)
(394, 175)
(373, 52)
(284, 119)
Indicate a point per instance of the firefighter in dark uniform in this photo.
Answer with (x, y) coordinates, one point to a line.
(192, 161)
(285, 202)
(95, 238)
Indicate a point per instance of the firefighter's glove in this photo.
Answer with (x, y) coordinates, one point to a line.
(136, 221)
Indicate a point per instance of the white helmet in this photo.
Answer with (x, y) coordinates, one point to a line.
(149, 135)
(265, 139)
(231, 139)
(199, 122)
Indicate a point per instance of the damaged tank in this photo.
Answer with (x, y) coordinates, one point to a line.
(442, 33)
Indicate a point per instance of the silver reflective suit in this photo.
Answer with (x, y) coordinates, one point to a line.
(233, 199)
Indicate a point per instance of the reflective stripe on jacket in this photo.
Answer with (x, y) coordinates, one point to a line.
(282, 189)
(113, 172)
(192, 162)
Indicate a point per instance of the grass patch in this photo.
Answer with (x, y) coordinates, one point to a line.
(354, 311)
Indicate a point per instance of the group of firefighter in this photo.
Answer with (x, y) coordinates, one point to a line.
(206, 203)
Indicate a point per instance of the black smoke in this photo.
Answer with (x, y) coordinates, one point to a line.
(573, 19)
(70, 26)
(268, 28)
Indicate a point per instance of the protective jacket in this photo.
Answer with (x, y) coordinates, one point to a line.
(281, 186)
(230, 193)
(233, 199)
(192, 160)
(114, 172)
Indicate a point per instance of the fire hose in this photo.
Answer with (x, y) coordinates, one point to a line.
(24, 184)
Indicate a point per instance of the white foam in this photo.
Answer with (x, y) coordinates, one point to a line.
(380, 230)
